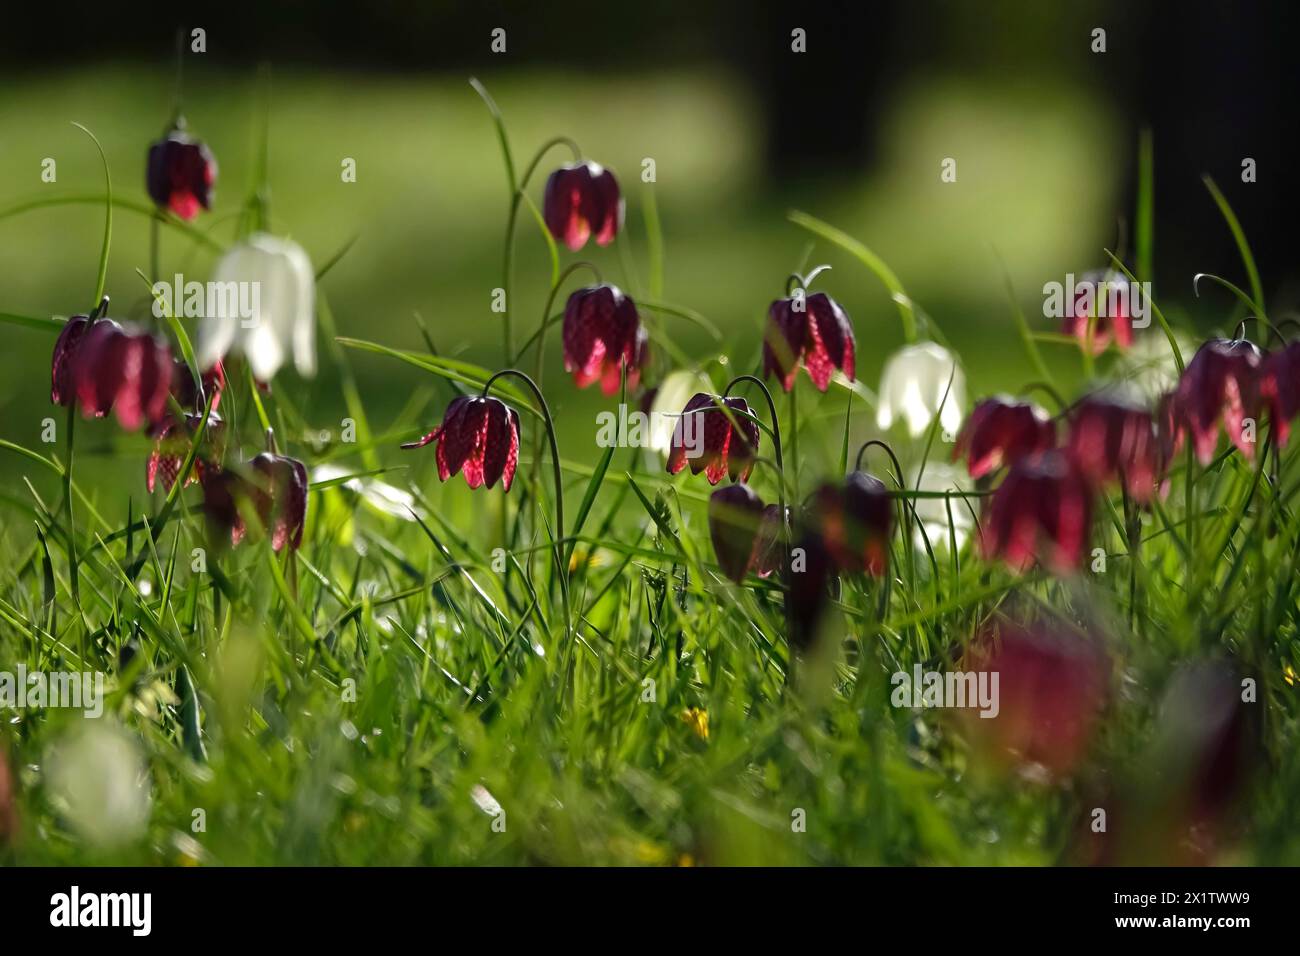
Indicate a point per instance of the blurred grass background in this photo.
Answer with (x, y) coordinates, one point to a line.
(1043, 130)
(428, 211)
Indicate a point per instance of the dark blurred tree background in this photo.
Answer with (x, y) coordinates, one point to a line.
(1216, 82)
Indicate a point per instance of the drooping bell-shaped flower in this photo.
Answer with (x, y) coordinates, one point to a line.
(223, 492)
(913, 387)
(768, 555)
(180, 174)
(273, 278)
(103, 367)
(1042, 511)
(1052, 686)
(714, 441)
(1114, 439)
(479, 436)
(856, 519)
(1206, 751)
(1221, 384)
(272, 487)
(186, 391)
(602, 332)
(1280, 385)
(280, 495)
(173, 445)
(581, 201)
(999, 432)
(746, 534)
(62, 387)
(811, 568)
(1105, 301)
(735, 514)
(813, 332)
(1182, 803)
(664, 403)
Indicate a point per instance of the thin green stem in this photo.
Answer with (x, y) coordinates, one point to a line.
(73, 579)
(792, 395)
(557, 534)
(1048, 390)
(540, 335)
(1133, 536)
(516, 200)
(102, 279)
(154, 267)
(771, 410)
(906, 508)
(786, 563)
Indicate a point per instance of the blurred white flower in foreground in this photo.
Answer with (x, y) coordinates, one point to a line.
(933, 512)
(279, 275)
(484, 800)
(99, 781)
(913, 385)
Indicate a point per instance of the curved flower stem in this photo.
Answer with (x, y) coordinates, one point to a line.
(793, 399)
(771, 411)
(1048, 390)
(1277, 327)
(557, 535)
(540, 335)
(516, 199)
(540, 338)
(154, 242)
(797, 281)
(817, 270)
(73, 579)
(905, 507)
(1264, 328)
(877, 443)
(781, 498)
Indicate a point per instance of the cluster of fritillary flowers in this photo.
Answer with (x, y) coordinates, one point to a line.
(101, 367)
(1042, 510)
